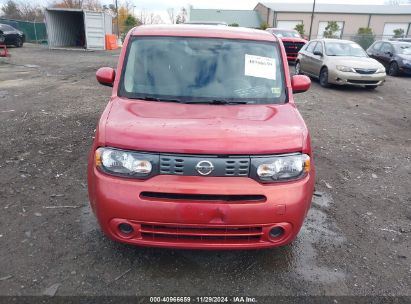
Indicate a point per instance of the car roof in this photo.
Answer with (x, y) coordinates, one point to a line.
(396, 41)
(334, 40)
(204, 31)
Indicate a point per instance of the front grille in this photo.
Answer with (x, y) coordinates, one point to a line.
(186, 165)
(363, 81)
(293, 47)
(205, 234)
(202, 197)
(366, 71)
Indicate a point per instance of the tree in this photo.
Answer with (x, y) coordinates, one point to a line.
(22, 11)
(364, 37)
(148, 18)
(398, 33)
(182, 16)
(264, 25)
(11, 10)
(171, 15)
(300, 29)
(331, 30)
(234, 24)
(130, 21)
(93, 5)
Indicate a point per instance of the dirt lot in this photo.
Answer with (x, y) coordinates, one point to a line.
(355, 241)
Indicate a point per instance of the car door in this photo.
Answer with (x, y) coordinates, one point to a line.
(386, 53)
(306, 59)
(375, 50)
(317, 60)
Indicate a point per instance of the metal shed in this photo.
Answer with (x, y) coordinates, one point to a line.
(77, 28)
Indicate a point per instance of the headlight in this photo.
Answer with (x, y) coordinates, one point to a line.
(380, 70)
(124, 163)
(282, 167)
(344, 68)
(405, 61)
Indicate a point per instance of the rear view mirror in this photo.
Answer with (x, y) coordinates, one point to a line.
(300, 83)
(106, 76)
(318, 53)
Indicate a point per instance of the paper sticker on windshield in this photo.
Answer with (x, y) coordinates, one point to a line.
(355, 46)
(262, 67)
(276, 91)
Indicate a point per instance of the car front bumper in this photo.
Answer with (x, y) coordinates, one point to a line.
(356, 79)
(197, 224)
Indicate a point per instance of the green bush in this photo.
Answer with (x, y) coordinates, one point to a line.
(364, 37)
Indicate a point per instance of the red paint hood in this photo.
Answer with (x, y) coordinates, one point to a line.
(203, 129)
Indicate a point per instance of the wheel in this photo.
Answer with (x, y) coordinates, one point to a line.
(393, 69)
(19, 42)
(371, 87)
(298, 68)
(324, 78)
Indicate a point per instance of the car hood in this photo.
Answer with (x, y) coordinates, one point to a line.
(204, 129)
(402, 56)
(355, 62)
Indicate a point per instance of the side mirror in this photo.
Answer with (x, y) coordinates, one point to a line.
(106, 76)
(318, 53)
(300, 83)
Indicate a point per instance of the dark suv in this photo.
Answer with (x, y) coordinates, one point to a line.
(11, 35)
(394, 55)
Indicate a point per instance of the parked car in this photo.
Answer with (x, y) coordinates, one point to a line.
(201, 144)
(394, 55)
(292, 40)
(12, 36)
(340, 62)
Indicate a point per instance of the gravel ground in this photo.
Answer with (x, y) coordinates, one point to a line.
(355, 241)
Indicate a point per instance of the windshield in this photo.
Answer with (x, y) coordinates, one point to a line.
(404, 49)
(344, 49)
(5, 27)
(287, 34)
(186, 69)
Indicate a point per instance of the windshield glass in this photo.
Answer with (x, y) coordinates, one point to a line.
(189, 69)
(344, 49)
(288, 34)
(404, 49)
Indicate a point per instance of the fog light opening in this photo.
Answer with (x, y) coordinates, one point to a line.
(125, 228)
(277, 232)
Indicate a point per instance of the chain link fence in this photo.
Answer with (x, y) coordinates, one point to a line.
(34, 31)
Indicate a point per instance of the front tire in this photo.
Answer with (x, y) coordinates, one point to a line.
(393, 69)
(19, 42)
(324, 78)
(298, 68)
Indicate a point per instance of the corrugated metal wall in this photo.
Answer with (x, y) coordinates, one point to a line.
(64, 29)
(95, 32)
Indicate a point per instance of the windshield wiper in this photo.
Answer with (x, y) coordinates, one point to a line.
(219, 102)
(151, 98)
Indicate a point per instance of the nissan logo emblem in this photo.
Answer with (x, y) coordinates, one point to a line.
(204, 167)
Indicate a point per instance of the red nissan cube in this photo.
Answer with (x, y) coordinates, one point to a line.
(201, 145)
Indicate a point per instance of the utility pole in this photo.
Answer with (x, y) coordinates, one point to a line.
(118, 28)
(312, 19)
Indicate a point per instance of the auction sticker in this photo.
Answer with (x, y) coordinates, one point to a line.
(262, 67)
